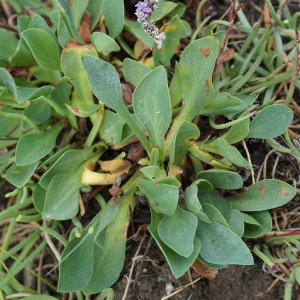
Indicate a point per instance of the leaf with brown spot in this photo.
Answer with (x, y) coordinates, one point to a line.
(263, 195)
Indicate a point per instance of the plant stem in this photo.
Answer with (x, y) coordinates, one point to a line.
(223, 126)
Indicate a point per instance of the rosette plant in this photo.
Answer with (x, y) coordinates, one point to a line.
(55, 162)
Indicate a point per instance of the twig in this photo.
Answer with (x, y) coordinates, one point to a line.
(141, 263)
(129, 280)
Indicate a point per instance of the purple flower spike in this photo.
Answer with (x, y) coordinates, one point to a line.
(143, 10)
(143, 7)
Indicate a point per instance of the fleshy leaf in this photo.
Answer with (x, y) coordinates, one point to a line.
(178, 231)
(66, 163)
(197, 61)
(33, 147)
(216, 200)
(134, 71)
(75, 273)
(43, 47)
(213, 214)
(265, 194)
(219, 245)
(109, 262)
(193, 205)
(221, 147)
(178, 264)
(62, 196)
(105, 84)
(222, 179)
(236, 222)
(265, 221)
(19, 175)
(263, 124)
(113, 11)
(153, 107)
(162, 197)
(186, 136)
(104, 43)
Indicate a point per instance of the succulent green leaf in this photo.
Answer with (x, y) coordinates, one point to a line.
(265, 194)
(134, 71)
(209, 264)
(178, 10)
(192, 203)
(77, 261)
(39, 198)
(107, 215)
(28, 93)
(237, 132)
(222, 147)
(222, 179)
(220, 104)
(78, 9)
(103, 43)
(247, 101)
(105, 84)
(178, 264)
(178, 231)
(263, 124)
(249, 219)
(215, 199)
(7, 81)
(111, 128)
(152, 105)
(219, 245)
(22, 55)
(33, 147)
(38, 112)
(67, 16)
(7, 124)
(163, 198)
(19, 175)
(174, 31)
(8, 43)
(95, 9)
(153, 172)
(68, 162)
(113, 11)
(197, 62)
(136, 29)
(213, 214)
(164, 8)
(175, 87)
(72, 68)
(62, 196)
(63, 33)
(109, 262)
(186, 136)
(236, 222)
(43, 47)
(265, 221)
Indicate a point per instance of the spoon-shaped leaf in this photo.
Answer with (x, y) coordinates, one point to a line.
(105, 84)
(152, 105)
